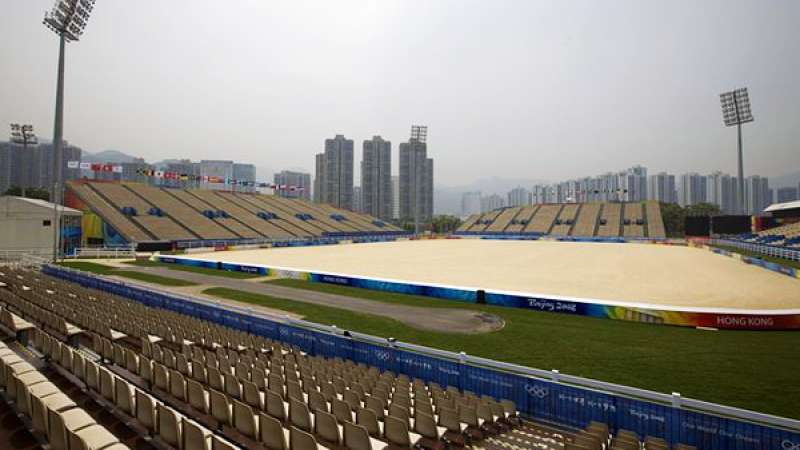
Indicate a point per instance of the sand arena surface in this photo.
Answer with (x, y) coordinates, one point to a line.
(643, 273)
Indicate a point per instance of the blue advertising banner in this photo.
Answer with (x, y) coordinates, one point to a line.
(534, 397)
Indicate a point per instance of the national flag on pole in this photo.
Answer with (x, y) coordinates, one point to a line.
(85, 166)
(73, 164)
(116, 169)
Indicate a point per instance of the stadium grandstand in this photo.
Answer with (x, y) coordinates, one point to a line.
(784, 234)
(133, 213)
(583, 220)
(85, 369)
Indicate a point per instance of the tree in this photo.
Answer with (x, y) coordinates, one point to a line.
(702, 210)
(445, 224)
(674, 217)
(31, 192)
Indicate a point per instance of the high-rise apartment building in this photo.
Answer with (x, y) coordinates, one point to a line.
(691, 189)
(376, 178)
(492, 202)
(416, 181)
(32, 166)
(756, 194)
(661, 187)
(787, 194)
(358, 199)
(519, 196)
(298, 184)
(721, 191)
(244, 173)
(395, 197)
(334, 177)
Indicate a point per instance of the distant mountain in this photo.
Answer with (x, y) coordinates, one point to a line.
(107, 156)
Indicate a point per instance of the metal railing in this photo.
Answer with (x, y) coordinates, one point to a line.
(31, 257)
(102, 253)
(761, 249)
(554, 376)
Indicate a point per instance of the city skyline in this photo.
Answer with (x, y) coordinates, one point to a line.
(665, 104)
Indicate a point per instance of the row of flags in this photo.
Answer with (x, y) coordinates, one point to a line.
(169, 175)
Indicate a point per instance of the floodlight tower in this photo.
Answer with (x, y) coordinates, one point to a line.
(419, 134)
(23, 134)
(736, 111)
(67, 20)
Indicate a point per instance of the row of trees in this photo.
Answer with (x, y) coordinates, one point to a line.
(675, 215)
(439, 224)
(36, 192)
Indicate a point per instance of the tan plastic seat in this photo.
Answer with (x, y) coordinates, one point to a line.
(299, 415)
(252, 395)
(60, 423)
(38, 390)
(169, 427)
(272, 434)
(146, 413)
(366, 418)
(177, 385)
(221, 408)
(341, 411)
(356, 437)
(244, 419)
(198, 396)
(325, 427)
(397, 432)
(40, 407)
(79, 366)
(161, 377)
(275, 406)
(232, 386)
(217, 443)
(91, 438)
(195, 437)
(146, 369)
(16, 389)
(106, 384)
(124, 398)
(377, 406)
(316, 402)
(300, 440)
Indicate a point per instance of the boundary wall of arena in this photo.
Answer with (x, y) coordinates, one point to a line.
(538, 394)
(723, 318)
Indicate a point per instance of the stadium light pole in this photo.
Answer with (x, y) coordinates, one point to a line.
(67, 20)
(23, 134)
(736, 111)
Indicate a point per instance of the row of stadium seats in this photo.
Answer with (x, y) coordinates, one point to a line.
(635, 220)
(144, 213)
(192, 384)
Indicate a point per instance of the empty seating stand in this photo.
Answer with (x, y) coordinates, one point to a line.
(322, 214)
(522, 219)
(123, 225)
(286, 217)
(163, 228)
(633, 222)
(242, 212)
(503, 220)
(182, 213)
(468, 223)
(200, 206)
(543, 221)
(610, 220)
(655, 223)
(565, 220)
(485, 221)
(586, 223)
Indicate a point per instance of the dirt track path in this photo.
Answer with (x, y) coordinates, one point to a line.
(453, 320)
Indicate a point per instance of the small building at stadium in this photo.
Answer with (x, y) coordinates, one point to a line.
(26, 224)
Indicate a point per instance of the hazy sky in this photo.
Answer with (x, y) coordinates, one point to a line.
(523, 89)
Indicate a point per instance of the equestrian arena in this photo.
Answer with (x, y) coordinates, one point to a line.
(657, 277)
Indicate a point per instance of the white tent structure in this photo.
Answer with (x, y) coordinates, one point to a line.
(26, 224)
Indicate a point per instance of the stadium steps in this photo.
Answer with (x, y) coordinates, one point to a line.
(586, 223)
(544, 219)
(568, 214)
(486, 221)
(504, 220)
(320, 220)
(320, 212)
(192, 220)
(612, 214)
(633, 213)
(131, 231)
(248, 201)
(240, 212)
(468, 223)
(229, 223)
(654, 221)
(351, 218)
(478, 224)
(268, 203)
(163, 228)
(522, 219)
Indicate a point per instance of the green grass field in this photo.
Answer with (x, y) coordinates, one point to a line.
(747, 369)
(202, 270)
(101, 269)
(776, 260)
